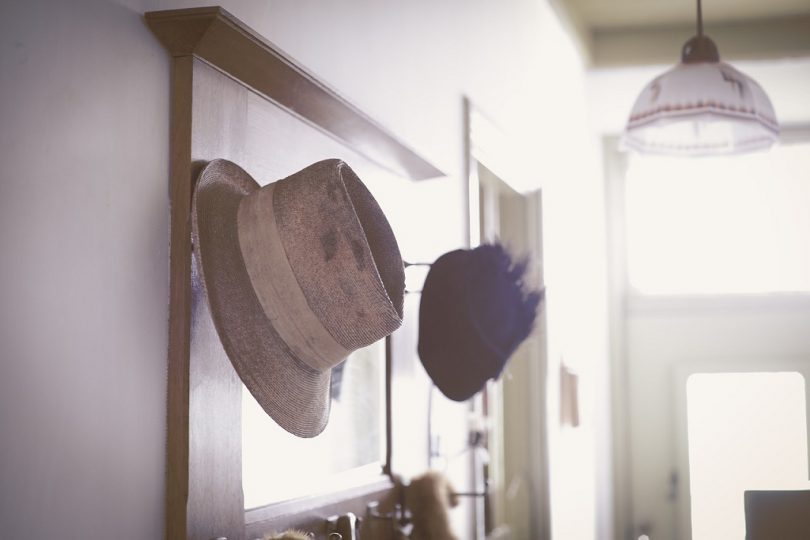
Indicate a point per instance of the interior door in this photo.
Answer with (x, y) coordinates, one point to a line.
(739, 426)
(516, 402)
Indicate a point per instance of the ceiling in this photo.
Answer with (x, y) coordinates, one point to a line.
(633, 32)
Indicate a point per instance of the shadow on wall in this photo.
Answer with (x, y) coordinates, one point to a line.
(83, 300)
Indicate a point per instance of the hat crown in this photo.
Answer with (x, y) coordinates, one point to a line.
(342, 251)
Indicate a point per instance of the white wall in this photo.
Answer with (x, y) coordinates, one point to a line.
(83, 214)
(576, 278)
(83, 237)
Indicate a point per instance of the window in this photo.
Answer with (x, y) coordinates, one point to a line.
(746, 431)
(719, 225)
(277, 466)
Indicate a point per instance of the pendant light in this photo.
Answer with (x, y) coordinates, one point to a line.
(701, 107)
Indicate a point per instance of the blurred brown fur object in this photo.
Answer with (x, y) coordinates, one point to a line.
(429, 497)
(289, 535)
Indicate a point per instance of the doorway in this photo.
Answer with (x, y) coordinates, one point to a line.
(738, 430)
(697, 294)
(515, 405)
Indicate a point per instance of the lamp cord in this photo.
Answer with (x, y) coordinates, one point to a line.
(699, 18)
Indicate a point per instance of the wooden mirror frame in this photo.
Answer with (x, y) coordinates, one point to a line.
(204, 478)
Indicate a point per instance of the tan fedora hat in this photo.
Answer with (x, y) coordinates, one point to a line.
(298, 274)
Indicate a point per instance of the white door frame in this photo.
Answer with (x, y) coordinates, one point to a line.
(486, 144)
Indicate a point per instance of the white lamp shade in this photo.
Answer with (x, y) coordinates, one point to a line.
(703, 108)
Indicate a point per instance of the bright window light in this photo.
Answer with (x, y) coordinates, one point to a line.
(746, 431)
(719, 225)
(277, 466)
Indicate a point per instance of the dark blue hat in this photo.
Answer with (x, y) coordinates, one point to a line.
(474, 312)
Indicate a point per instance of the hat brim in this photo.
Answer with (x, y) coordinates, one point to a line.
(451, 370)
(295, 395)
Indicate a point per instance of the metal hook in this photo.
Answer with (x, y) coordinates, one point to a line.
(342, 527)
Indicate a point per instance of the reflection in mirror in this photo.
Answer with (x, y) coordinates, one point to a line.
(277, 466)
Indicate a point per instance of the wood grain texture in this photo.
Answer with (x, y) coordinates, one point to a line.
(179, 300)
(310, 514)
(204, 482)
(215, 505)
(222, 40)
(235, 97)
(220, 118)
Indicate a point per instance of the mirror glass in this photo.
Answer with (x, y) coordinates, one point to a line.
(278, 466)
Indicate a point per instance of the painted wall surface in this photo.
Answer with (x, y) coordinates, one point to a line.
(84, 118)
(576, 279)
(84, 237)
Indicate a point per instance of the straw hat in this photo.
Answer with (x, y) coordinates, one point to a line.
(475, 311)
(298, 274)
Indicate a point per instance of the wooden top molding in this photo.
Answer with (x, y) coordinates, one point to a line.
(220, 39)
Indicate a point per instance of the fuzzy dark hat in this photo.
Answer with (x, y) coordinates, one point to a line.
(474, 312)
